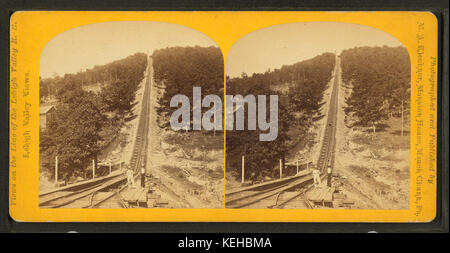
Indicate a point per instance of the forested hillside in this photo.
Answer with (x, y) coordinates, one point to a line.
(300, 88)
(87, 121)
(372, 137)
(379, 78)
(190, 163)
(179, 69)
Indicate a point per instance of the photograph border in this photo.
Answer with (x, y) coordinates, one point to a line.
(440, 223)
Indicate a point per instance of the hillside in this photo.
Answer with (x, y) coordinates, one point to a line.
(93, 110)
(188, 163)
(301, 88)
(373, 140)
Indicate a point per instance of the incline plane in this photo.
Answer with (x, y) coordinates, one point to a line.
(269, 192)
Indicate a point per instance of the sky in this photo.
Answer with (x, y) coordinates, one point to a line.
(84, 47)
(285, 44)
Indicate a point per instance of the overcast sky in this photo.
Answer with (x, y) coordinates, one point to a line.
(285, 44)
(97, 44)
(84, 47)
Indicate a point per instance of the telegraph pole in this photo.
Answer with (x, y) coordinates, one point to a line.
(56, 171)
(243, 169)
(281, 168)
(93, 168)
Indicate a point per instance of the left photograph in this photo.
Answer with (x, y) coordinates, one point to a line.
(109, 135)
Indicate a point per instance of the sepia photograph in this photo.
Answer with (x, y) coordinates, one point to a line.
(341, 127)
(230, 117)
(107, 130)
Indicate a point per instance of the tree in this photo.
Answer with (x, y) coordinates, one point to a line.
(118, 97)
(300, 88)
(380, 82)
(179, 69)
(74, 136)
(86, 122)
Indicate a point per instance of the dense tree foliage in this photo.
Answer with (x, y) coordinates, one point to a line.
(380, 82)
(75, 136)
(300, 88)
(179, 69)
(118, 81)
(87, 121)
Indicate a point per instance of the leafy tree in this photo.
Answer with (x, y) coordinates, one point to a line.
(83, 125)
(300, 88)
(74, 135)
(179, 69)
(380, 82)
(118, 97)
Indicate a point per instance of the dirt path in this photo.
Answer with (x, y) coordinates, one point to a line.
(375, 169)
(186, 180)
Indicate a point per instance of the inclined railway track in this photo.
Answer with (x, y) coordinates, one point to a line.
(250, 197)
(326, 157)
(82, 195)
(272, 192)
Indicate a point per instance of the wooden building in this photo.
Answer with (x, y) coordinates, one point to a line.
(46, 114)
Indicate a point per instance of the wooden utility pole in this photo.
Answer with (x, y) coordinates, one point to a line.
(243, 169)
(281, 168)
(93, 168)
(205, 169)
(402, 117)
(56, 171)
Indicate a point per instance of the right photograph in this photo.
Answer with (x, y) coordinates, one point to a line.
(318, 117)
